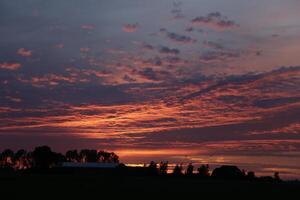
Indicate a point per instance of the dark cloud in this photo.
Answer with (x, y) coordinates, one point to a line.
(148, 46)
(154, 75)
(246, 79)
(213, 45)
(161, 49)
(179, 38)
(275, 102)
(156, 61)
(215, 20)
(189, 29)
(149, 73)
(167, 50)
(215, 56)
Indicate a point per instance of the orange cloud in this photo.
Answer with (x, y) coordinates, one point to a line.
(130, 28)
(10, 66)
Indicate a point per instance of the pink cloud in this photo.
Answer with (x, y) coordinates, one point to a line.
(10, 66)
(85, 49)
(24, 52)
(59, 46)
(130, 28)
(88, 27)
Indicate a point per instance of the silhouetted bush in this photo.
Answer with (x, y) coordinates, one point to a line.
(227, 172)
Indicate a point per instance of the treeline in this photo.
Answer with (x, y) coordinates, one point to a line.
(43, 157)
(225, 172)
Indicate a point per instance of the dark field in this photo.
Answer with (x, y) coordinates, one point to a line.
(74, 184)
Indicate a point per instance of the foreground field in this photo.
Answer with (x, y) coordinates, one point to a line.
(92, 183)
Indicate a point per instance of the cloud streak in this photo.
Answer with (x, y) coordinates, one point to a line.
(214, 20)
(10, 66)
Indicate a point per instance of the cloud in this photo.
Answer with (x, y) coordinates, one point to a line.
(161, 49)
(215, 20)
(177, 10)
(10, 66)
(183, 39)
(149, 73)
(88, 27)
(148, 46)
(84, 49)
(130, 28)
(213, 45)
(167, 50)
(189, 29)
(24, 52)
(156, 61)
(216, 56)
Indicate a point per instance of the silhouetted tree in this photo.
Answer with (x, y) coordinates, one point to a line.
(177, 170)
(114, 158)
(7, 158)
(190, 169)
(21, 160)
(107, 157)
(227, 172)
(163, 168)
(88, 155)
(43, 157)
(20, 153)
(276, 176)
(72, 156)
(152, 168)
(203, 171)
(251, 175)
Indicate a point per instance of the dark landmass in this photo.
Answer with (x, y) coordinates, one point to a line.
(43, 173)
(88, 182)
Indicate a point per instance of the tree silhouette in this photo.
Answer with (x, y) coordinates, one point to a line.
(276, 176)
(114, 158)
(43, 157)
(177, 170)
(152, 168)
(88, 155)
(228, 172)
(251, 175)
(21, 160)
(72, 156)
(7, 158)
(190, 169)
(163, 168)
(107, 157)
(203, 171)
(20, 153)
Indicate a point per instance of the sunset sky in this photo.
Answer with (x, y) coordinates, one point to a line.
(213, 81)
